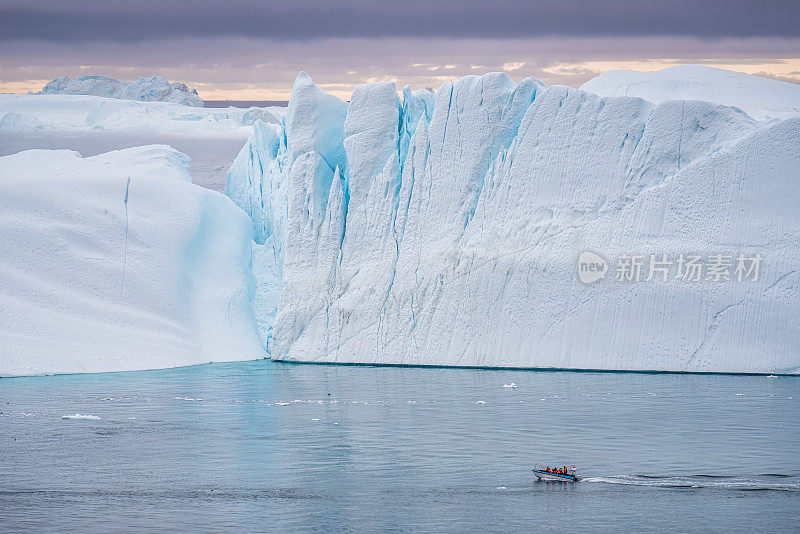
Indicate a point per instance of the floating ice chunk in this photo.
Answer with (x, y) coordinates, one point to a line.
(15, 122)
(253, 115)
(480, 402)
(79, 416)
(512, 385)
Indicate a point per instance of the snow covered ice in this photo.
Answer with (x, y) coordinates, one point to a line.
(93, 125)
(761, 98)
(118, 262)
(81, 113)
(444, 229)
(146, 88)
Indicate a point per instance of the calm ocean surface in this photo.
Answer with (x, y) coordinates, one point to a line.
(264, 446)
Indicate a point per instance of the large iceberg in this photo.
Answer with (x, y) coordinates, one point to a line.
(146, 88)
(447, 230)
(118, 262)
(762, 98)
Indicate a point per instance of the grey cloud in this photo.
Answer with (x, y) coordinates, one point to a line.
(143, 20)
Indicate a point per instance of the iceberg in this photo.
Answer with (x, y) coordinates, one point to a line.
(68, 113)
(761, 98)
(118, 262)
(445, 229)
(146, 88)
(20, 122)
(94, 125)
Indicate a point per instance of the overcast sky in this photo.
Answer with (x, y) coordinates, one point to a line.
(248, 49)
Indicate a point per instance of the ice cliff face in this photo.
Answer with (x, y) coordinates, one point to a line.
(118, 262)
(445, 230)
(150, 88)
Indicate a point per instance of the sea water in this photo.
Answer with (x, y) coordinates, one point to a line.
(265, 446)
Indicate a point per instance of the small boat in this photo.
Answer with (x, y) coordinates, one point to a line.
(542, 474)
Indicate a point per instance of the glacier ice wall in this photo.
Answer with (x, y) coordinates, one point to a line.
(118, 262)
(444, 229)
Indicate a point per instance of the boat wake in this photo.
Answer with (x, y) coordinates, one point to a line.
(700, 481)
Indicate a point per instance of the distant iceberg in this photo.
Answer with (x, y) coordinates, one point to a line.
(149, 88)
(59, 113)
(445, 230)
(761, 98)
